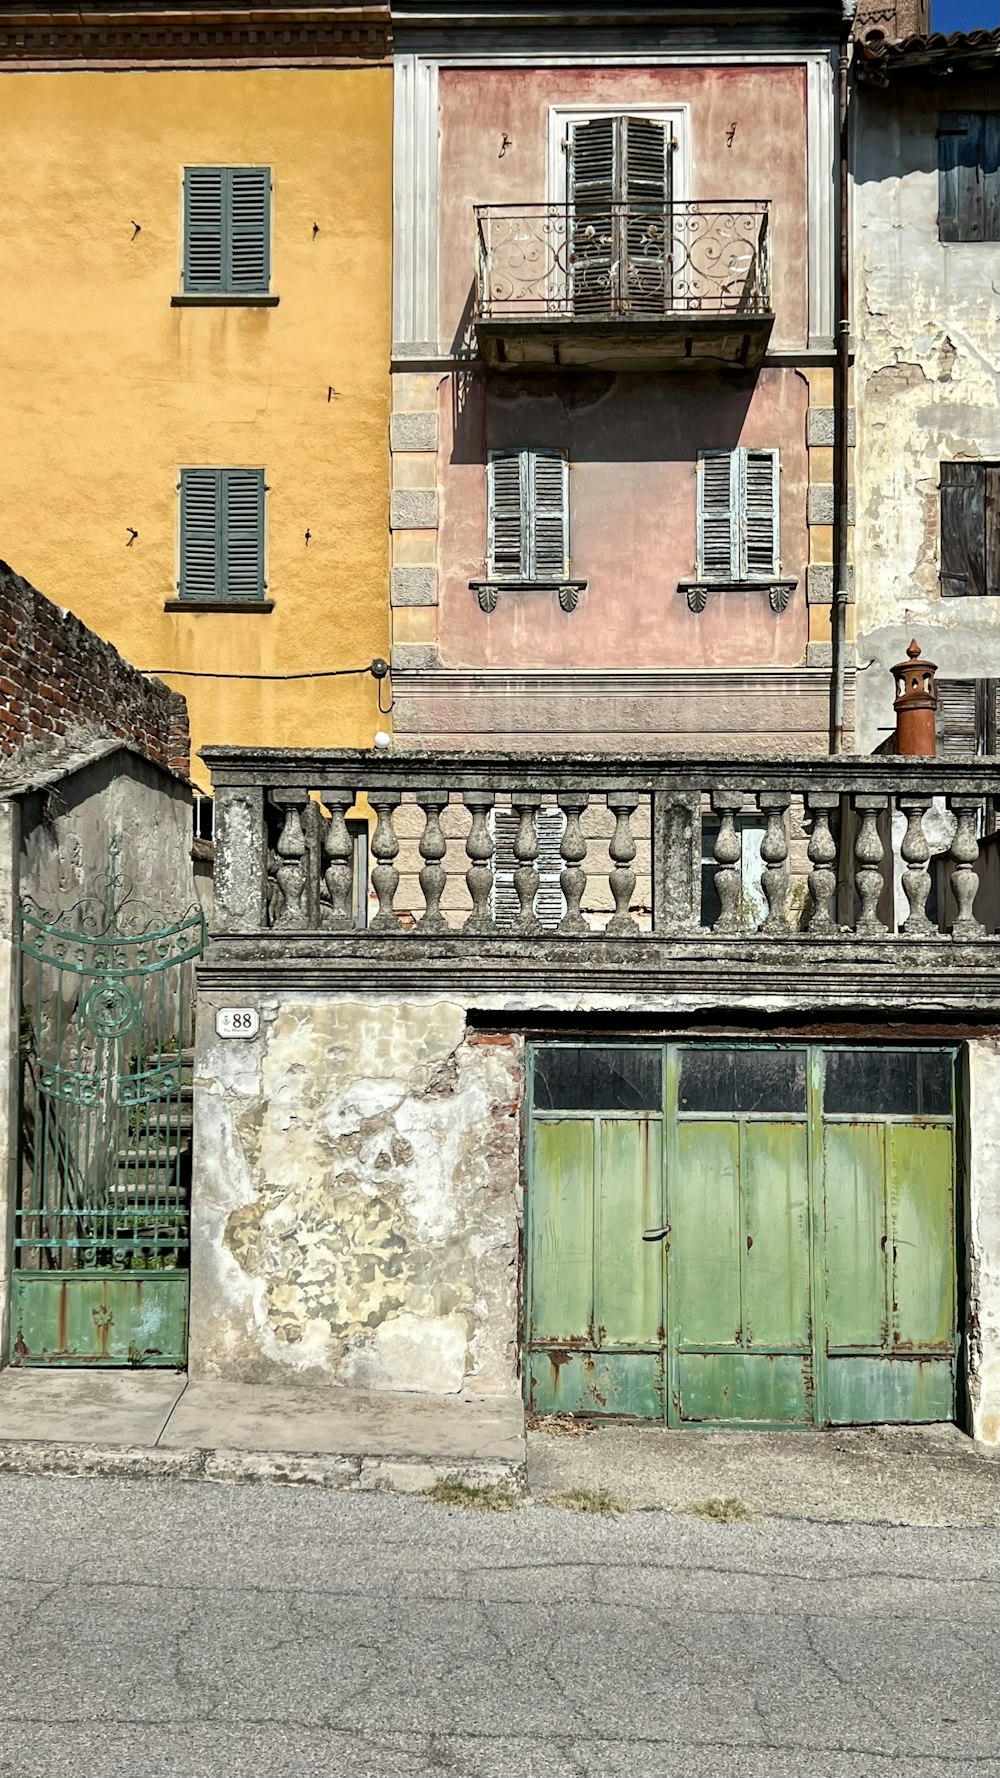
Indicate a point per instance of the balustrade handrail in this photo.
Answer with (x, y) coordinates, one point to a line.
(505, 771)
(848, 848)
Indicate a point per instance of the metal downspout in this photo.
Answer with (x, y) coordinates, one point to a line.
(841, 464)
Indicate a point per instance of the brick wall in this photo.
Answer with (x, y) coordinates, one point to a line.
(894, 18)
(57, 677)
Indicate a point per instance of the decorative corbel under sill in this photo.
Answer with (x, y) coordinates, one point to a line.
(778, 592)
(569, 591)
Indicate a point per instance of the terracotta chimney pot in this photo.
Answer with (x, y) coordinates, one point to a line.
(916, 705)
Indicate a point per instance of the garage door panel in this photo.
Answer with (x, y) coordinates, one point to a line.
(856, 1239)
(775, 1167)
(752, 1389)
(562, 1230)
(629, 1305)
(704, 1211)
(621, 1385)
(923, 1235)
(872, 1391)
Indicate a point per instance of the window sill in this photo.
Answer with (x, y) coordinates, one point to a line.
(247, 607)
(487, 591)
(778, 591)
(223, 299)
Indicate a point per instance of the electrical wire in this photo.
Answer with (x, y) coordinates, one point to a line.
(189, 673)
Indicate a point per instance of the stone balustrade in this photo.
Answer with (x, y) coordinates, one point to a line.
(356, 848)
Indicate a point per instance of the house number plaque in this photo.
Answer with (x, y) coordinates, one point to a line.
(237, 1021)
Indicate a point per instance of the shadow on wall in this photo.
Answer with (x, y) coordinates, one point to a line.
(598, 417)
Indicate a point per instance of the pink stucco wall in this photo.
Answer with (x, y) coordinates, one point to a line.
(632, 444)
(748, 140)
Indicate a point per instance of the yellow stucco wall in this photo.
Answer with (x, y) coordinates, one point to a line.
(106, 391)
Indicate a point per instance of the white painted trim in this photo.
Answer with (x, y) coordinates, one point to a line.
(415, 207)
(562, 117)
(821, 131)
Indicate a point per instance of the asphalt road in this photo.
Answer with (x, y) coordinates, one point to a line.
(149, 1630)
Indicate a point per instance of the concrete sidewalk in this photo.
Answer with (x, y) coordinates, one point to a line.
(159, 1423)
(150, 1423)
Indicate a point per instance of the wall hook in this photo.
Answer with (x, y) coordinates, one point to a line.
(136, 228)
(504, 145)
(731, 134)
(132, 535)
(308, 535)
(315, 230)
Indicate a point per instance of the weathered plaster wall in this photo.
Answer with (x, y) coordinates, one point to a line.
(356, 1197)
(982, 1333)
(632, 445)
(9, 1058)
(67, 828)
(748, 140)
(109, 390)
(926, 390)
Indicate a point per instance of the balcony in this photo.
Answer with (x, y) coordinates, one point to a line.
(875, 885)
(619, 287)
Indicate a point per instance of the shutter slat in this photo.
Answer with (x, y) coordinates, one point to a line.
(506, 528)
(963, 530)
(594, 178)
(200, 520)
(647, 221)
(760, 514)
(204, 228)
(249, 203)
(549, 904)
(957, 725)
(549, 517)
(716, 475)
(243, 508)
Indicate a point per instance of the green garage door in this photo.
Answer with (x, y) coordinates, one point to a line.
(754, 1235)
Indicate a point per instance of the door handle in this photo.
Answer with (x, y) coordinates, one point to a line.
(656, 1234)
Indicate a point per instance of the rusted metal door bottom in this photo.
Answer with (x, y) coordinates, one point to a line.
(100, 1318)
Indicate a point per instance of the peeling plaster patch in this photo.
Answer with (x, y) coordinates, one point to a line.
(374, 1233)
(895, 379)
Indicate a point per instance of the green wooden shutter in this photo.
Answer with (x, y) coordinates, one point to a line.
(718, 495)
(646, 157)
(548, 501)
(243, 520)
(594, 188)
(201, 525)
(963, 529)
(507, 552)
(204, 228)
(759, 542)
(249, 228)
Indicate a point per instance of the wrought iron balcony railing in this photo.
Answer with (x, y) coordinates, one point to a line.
(605, 262)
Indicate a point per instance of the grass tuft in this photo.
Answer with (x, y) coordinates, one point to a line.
(485, 1497)
(591, 1500)
(724, 1509)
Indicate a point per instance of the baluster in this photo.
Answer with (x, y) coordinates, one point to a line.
(433, 847)
(479, 849)
(385, 846)
(573, 849)
(526, 878)
(964, 855)
(916, 878)
(728, 853)
(774, 851)
(868, 855)
(338, 851)
(290, 874)
(622, 848)
(822, 853)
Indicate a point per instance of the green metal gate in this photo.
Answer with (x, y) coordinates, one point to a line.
(101, 1217)
(760, 1235)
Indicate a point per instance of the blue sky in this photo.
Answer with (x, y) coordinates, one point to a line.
(965, 15)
